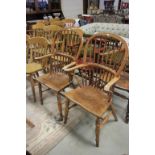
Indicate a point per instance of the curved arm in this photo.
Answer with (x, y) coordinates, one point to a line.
(111, 83)
(67, 69)
(42, 57)
(72, 64)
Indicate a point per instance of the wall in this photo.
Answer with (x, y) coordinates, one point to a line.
(71, 8)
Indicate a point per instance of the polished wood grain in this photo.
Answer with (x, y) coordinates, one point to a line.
(103, 60)
(61, 56)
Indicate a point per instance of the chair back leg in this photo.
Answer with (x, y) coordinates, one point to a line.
(33, 87)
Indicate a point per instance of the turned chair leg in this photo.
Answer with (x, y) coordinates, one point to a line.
(33, 87)
(97, 131)
(127, 113)
(59, 107)
(113, 112)
(40, 93)
(66, 111)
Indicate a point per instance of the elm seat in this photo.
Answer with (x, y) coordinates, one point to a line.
(91, 99)
(33, 67)
(54, 81)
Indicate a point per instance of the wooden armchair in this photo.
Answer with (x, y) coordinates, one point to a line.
(36, 47)
(59, 23)
(104, 58)
(57, 80)
(49, 32)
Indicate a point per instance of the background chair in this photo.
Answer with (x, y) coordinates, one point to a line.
(36, 47)
(49, 32)
(101, 67)
(59, 23)
(57, 80)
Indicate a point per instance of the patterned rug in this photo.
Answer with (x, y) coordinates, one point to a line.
(42, 130)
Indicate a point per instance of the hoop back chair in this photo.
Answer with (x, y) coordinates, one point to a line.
(58, 22)
(78, 30)
(36, 47)
(49, 32)
(37, 29)
(57, 80)
(104, 58)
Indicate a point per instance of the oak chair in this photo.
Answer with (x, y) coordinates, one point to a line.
(104, 58)
(78, 30)
(59, 23)
(57, 80)
(36, 47)
(49, 32)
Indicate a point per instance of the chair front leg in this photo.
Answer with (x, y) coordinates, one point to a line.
(66, 111)
(59, 107)
(33, 87)
(127, 113)
(113, 112)
(97, 131)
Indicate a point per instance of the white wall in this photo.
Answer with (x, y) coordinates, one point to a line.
(71, 8)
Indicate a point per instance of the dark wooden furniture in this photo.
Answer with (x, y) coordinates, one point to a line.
(104, 58)
(57, 80)
(109, 6)
(38, 9)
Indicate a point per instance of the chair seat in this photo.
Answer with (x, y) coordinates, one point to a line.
(33, 67)
(55, 81)
(123, 83)
(91, 99)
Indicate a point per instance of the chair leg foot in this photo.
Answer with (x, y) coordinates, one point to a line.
(97, 131)
(40, 93)
(127, 114)
(66, 111)
(33, 87)
(59, 108)
(114, 113)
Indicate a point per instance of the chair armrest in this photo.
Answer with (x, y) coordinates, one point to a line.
(111, 83)
(42, 57)
(69, 65)
(68, 69)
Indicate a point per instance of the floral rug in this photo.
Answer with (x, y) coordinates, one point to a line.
(46, 133)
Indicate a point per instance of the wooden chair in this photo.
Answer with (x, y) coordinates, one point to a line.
(49, 32)
(78, 30)
(57, 80)
(36, 46)
(59, 23)
(39, 25)
(105, 56)
(37, 30)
